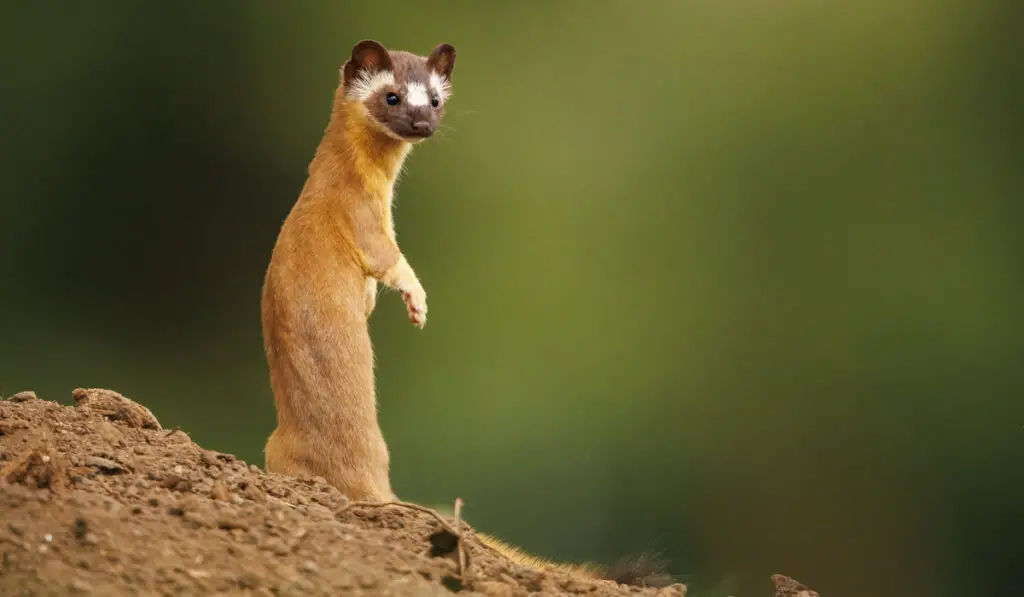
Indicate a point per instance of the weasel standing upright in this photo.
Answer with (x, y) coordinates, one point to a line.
(334, 247)
(336, 244)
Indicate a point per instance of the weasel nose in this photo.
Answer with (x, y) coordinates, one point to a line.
(423, 127)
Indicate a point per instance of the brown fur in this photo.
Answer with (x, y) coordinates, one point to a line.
(647, 569)
(335, 245)
(337, 242)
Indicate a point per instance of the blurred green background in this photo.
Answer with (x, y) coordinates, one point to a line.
(740, 281)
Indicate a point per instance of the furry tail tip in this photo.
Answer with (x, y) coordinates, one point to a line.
(648, 569)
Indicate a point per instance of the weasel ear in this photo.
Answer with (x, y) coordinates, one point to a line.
(442, 60)
(369, 56)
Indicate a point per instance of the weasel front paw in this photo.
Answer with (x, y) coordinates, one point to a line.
(371, 295)
(416, 303)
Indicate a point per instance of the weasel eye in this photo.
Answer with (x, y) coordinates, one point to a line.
(435, 101)
(392, 99)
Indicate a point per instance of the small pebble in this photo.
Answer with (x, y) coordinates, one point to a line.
(676, 590)
(229, 524)
(23, 396)
(80, 586)
(105, 465)
(220, 492)
(278, 547)
(176, 483)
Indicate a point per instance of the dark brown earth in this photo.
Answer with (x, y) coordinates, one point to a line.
(97, 499)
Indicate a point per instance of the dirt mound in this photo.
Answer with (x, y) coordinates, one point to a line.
(97, 499)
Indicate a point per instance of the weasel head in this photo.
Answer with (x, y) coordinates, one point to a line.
(403, 94)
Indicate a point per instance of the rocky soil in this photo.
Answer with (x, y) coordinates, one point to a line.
(97, 499)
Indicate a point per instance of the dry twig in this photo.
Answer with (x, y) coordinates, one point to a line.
(454, 530)
(407, 505)
(458, 534)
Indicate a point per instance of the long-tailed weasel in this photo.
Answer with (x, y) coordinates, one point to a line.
(334, 247)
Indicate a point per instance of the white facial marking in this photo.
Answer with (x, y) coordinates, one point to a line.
(368, 83)
(417, 94)
(441, 86)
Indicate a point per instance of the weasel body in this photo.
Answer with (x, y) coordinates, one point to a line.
(334, 247)
(336, 244)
